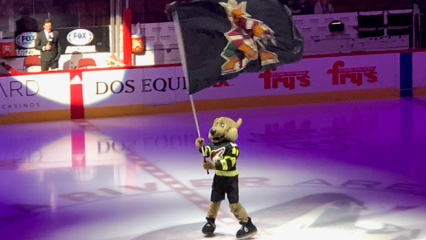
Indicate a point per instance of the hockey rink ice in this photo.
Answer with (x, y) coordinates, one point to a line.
(335, 171)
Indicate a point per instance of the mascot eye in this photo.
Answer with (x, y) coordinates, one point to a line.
(222, 125)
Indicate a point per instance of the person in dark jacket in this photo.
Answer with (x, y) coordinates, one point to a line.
(47, 42)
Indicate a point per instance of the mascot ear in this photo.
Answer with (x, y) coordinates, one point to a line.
(238, 123)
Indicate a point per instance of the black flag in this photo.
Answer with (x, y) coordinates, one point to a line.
(221, 39)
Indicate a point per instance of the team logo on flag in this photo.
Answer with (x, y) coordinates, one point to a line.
(242, 36)
(247, 39)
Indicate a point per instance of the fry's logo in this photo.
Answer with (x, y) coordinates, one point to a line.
(288, 79)
(356, 75)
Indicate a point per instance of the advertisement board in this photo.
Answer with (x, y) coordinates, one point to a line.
(38, 92)
(132, 90)
(160, 42)
(25, 44)
(72, 40)
(419, 73)
(149, 86)
(313, 75)
(4, 89)
(84, 40)
(156, 86)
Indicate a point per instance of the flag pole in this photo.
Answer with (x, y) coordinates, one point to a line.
(195, 114)
(185, 71)
(196, 122)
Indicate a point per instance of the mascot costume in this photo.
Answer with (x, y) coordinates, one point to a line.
(224, 153)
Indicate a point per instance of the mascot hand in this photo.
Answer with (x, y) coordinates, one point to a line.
(199, 142)
(207, 165)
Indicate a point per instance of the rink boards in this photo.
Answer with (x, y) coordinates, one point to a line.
(109, 92)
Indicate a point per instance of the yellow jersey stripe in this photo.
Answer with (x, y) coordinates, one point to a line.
(224, 164)
(207, 151)
(227, 173)
(233, 160)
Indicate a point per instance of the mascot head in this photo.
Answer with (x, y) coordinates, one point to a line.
(224, 129)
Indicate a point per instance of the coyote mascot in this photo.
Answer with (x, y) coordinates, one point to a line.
(224, 153)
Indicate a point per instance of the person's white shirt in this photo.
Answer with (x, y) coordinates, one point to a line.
(48, 34)
(320, 10)
(47, 37)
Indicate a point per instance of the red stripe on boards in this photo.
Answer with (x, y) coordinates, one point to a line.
(76, 95)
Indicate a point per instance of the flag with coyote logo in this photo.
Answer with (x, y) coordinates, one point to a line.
(221, 39)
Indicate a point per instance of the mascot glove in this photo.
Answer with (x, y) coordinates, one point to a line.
(208, 165)
(199, 142)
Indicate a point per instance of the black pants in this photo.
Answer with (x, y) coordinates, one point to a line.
(222, 185)
(46, 64)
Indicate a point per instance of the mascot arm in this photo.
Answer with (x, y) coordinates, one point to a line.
(200, 144)
(207, 165)
(207, 151)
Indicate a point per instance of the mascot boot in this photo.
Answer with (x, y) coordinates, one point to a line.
(248, 229)
(210, 226)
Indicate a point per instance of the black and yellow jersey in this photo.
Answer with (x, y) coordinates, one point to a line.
(224, 155)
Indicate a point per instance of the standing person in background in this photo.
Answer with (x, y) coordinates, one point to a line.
(323, 6)
(48, 43)
(7, 19)
(301, 7)
(289, 4)
(26, 23)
